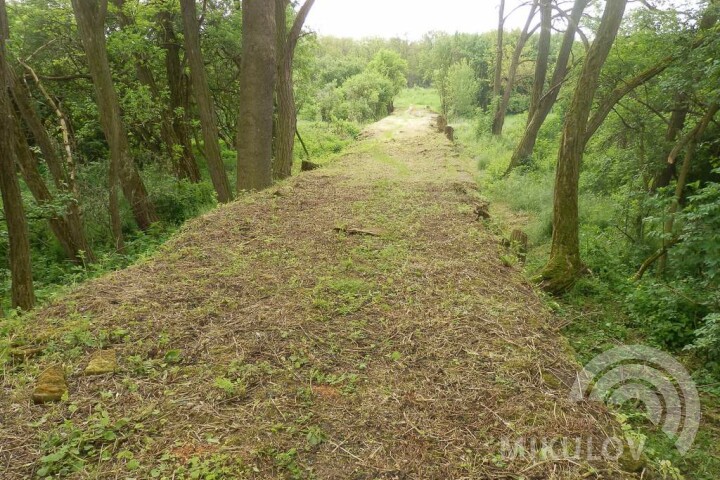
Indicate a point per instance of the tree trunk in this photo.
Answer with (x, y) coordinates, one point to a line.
(564, 264)
(689, 142)
(23, 295)
(70, 233)
(168, 134)
(257, 85)
(680, 110)
(179, 99)
(206, 108)
(499, 53)
(525, 147)
(543, 55)
(677, 123)
(90, 17)
(502, 106)
(61, 228)
(286, 110)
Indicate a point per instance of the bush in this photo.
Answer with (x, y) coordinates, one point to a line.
(668, 312)
(391, 66)
(366, 96)
(179, 201)
(462, 89)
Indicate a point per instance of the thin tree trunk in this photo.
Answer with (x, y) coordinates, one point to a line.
(675, 126)
(90, 17)
(608, 103)
(502, 106)
(689, 142)
(35, 182)
(23, 295)
(543, 55)
(499, 53)
(66, 174)
(24, 103)
(179, 98)
(525, 147)
(169, 136)
(564, 264)
(257, 85)
(71, 233)
(680, 112)
(206, 108)
(287, 112)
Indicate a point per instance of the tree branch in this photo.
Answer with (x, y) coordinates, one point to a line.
(654, 257)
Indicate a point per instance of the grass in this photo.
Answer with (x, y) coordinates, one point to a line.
(419, 97)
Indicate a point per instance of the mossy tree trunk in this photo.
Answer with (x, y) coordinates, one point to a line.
(564, 265)
(90, 16)
(286, 110)
(203, 98)
(23, 295)
(184, 167)
(257, 88)
(689, 143)
(68, 229)
(178, 87)
(543, 56)
(499, 53)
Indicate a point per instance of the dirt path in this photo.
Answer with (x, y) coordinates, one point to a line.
(354, 323)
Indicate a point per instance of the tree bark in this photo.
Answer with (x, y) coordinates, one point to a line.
(499, 53)
(286, 109)
(564, 265)
(257, 85)
(90, 17)
(62, 229)
(608, 103)
(541, 63)
(675, 126)
(206, 108)
(22, 293)
(502, 106)
(525, 147)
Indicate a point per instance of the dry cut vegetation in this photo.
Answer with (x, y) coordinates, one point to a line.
(273, 339)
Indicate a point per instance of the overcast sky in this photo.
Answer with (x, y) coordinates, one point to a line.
(407, 18)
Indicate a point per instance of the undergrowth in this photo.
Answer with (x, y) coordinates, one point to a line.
(606, 308)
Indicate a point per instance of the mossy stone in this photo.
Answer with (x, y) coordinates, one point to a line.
(51, 385)
(101, 362)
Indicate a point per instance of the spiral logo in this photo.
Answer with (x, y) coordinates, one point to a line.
(640, 373)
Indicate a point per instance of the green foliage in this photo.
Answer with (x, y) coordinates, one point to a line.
(668, 312)
(71, 447)
(462, 89)
(352, 81)
(391, 66)
(366, 96)
(181, 200)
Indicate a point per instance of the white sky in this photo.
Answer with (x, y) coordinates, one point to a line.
(408, 18)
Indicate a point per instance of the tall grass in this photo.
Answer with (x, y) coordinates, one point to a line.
(419, 97)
